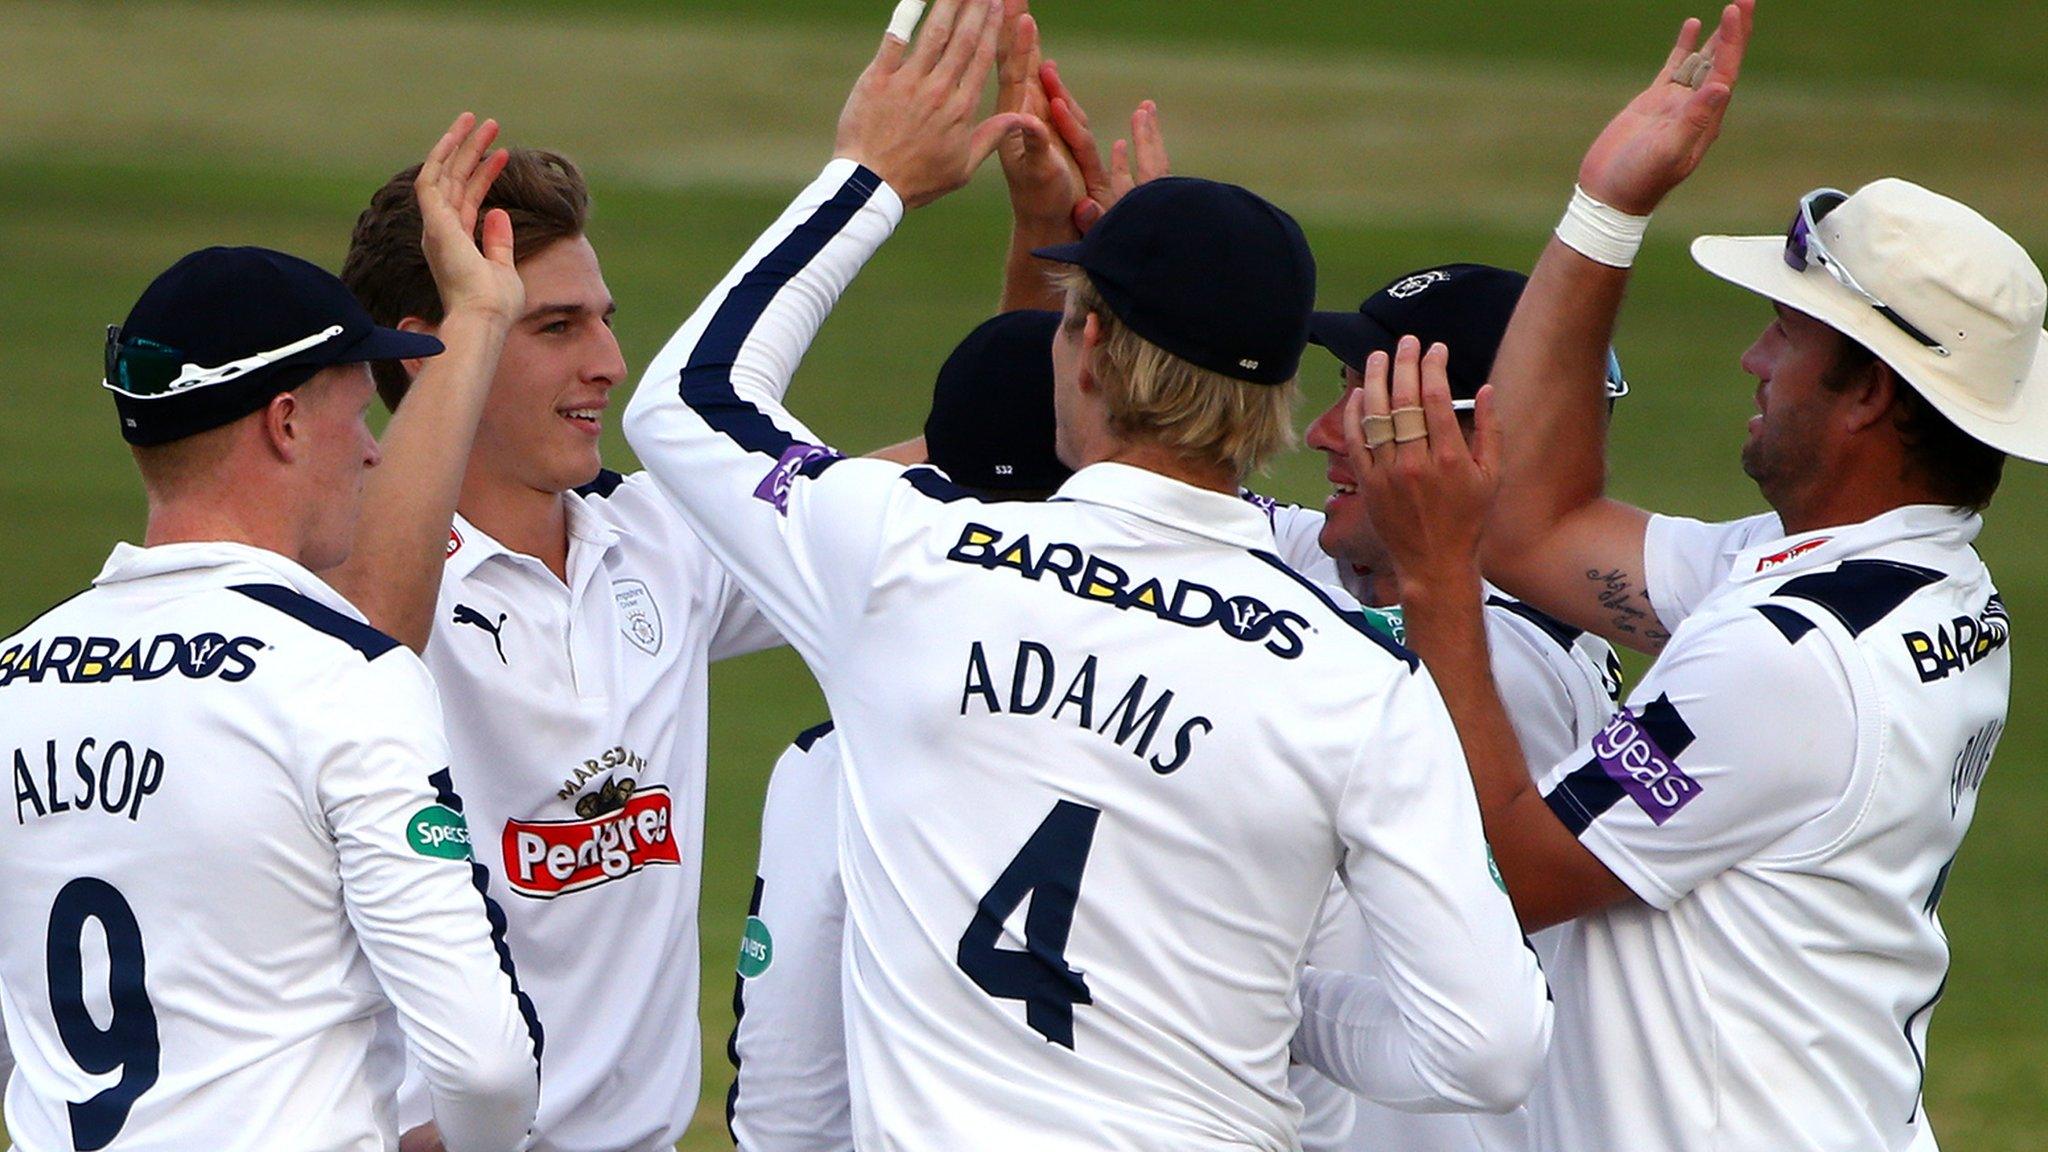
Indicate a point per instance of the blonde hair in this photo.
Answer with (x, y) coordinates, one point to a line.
(1153, 395)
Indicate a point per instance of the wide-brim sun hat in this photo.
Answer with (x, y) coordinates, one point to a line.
(1952, 303)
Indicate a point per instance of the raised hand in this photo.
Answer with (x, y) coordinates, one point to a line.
(910, 117)
(1657, 141)
(1131, 162)
(1427, 489)
(1044, 179)
(472, 266)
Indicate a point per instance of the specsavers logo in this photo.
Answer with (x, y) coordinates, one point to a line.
(549, 858)
(438, 831)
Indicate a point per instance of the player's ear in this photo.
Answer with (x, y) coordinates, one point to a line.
(1091, 347)
(283, 418)
(1871, 392)
(415, 324)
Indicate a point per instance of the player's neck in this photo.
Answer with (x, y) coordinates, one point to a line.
(189, 521)
(524, 519)
(1846, 497)
(1172, 465)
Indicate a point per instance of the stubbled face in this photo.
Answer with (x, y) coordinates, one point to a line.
(541, 423)
(1786, 450)
(332, 419)
(1348, 533)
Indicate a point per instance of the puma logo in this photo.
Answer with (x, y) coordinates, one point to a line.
(464, 614)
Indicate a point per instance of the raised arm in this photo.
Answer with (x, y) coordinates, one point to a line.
(1554, 538)
(394, 572)
(794, 524)
(1043, 178)
(1428, 493)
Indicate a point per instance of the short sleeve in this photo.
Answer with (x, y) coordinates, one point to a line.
(1684, 559)
(1735, 738)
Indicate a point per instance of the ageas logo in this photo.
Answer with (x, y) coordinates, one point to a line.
(622, 830)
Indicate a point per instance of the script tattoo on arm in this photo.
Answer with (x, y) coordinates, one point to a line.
(1628, 608)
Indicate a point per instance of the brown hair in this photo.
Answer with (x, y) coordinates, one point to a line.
(1962, 470)
(1151, 394)
(542, 191)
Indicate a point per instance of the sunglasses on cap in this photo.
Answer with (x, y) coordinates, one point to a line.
(1617, 386)
(143, 369)
(1803, 247)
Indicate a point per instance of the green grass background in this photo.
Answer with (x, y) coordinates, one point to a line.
(1400, 133)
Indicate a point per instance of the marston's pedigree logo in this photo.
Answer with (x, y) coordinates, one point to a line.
(548, 858)
(1186, 603)
(1791, 554)
(100, 659)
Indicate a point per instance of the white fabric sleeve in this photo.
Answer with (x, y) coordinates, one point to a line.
(1462, 1016)
(1328, 1111)
(790, 1089)
(1530, 670)
(1735, 738)
(415, 898)
(796, 525)
(742, 626)
(1684, 559)
(6, 1061)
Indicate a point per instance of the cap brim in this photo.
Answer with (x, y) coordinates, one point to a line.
(1350, 336)
(1758, 264)
(1060, 253)
(391, 344)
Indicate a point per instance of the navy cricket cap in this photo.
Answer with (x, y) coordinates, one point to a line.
(1465, 307)
(991, 423)
(225, 329)
(1207, 271)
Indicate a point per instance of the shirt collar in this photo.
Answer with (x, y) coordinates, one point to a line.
(1937, 524)
(234, 561)
(469, 546)
(1163, 500)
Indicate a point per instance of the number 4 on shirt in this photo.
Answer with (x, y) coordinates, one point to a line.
(1048, 870)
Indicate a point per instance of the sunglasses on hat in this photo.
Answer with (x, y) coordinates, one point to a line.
(1803, 247)
(1617, 386)
(146, 370)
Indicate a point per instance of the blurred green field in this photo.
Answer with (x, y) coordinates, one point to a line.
(137, 131)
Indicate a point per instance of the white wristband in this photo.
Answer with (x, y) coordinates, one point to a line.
(1601, 234)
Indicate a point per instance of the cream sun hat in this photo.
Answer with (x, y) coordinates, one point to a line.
(1942, 295)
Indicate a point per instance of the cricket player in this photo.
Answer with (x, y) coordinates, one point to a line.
(569, 616)
(1752, 854)
(1094, 791)
(235, 847)
(990, 430)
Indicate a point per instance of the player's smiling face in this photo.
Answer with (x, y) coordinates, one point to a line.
(1788, 449)
(1348, 533)
(540, 425)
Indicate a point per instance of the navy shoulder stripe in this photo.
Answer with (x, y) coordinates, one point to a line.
(1790, 623)
(1860, 593)
(607, 482)
(480, 877)
(812, 735)
(319, 617)
(706, 381)
(1352, 619)
(933, 483)
(1562, 633)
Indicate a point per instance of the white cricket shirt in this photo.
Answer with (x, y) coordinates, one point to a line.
(1785, 792)
(577, 716)
(232, 849)
(1559, 686)
(788, 1047)
(1102, 756)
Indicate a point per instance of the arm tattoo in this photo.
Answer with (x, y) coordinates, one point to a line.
(1627, 606)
